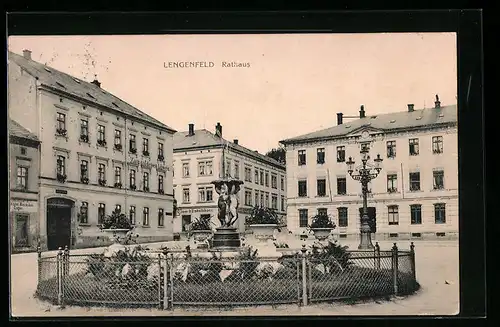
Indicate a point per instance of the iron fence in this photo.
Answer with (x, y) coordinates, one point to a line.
(166, 280)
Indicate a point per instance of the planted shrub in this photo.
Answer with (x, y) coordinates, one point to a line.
(322, 220)
(202, 223)
(331, 255)
(117, 220)
(263, 216)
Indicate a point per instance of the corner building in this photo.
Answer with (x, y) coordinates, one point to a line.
(415, 196)
(98, 153)
(201, 157)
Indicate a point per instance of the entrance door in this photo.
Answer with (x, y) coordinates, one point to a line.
(58, 223)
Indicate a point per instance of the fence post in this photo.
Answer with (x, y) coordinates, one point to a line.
(171, 304)
(39, 262)
(304, 275)
(412, 259)
(377, 255)
(66, 261)
(59, 276)
(159, 282)
(395, 267)
(166, 278)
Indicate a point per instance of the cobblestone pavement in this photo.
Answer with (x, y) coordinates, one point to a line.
(437, 272)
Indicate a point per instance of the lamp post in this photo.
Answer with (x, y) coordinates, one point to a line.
(364, 173)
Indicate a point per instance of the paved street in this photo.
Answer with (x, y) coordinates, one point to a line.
(437, 272)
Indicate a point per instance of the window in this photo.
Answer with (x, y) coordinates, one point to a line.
(21, 232)
(118, 139)
(341, 154)
(131, 215)
(321, 187)
(61, 165)
(262, 203)
(413, 147)
(440, 213)
(84, 128)
(274, 201)
(145, 216)
(320, 156)
(393, 215)
(132, 143)
(132, 178)
(145, 146)
(322, 211)
(303, 220)
(341, 186)
(101, 134)
(161, 156)
(302, 157)
(84, 171)
(282, 203)
(391, 149)
(248, 197)
(267, 200)
(118, 208)
(145, 177)
(236, 170)
(185, 195)
(365, 147)
(416, 214)
(101, 212)
(118, 176)
(209, 169)
(343, 221)
(392, 183)
(437, 144)
(261, 177)
(256, 174)
(61, 122)
(186, 221)
(23, 151)
(101, 172)
(22, 178)
(266, 179)
(205, 194)
(160, 184)
(438, 177)
(84, 213)
(228, 167)
(274, 181)
(415, 181)
(248, 174)
(185, 169)
(161, 218)
(302, 188)
(257, 203)
(282, 183)
(204, 168)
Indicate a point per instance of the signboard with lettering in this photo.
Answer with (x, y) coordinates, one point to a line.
(24, 206)
(196, 210)
(148, 164)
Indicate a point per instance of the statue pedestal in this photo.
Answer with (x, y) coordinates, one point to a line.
(226, 238)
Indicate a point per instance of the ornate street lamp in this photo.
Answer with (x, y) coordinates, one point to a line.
(364, 173)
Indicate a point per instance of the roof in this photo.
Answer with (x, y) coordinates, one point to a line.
(15, 129)
(203, 138)
(66, 83)
(390, 122)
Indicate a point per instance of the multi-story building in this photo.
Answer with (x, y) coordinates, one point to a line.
(98, 154)
(24, 161)
(201, 157)
(416, 193)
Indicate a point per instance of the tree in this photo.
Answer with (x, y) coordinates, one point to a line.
(278, 154)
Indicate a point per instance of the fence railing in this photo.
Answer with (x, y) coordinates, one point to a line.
(165, 280)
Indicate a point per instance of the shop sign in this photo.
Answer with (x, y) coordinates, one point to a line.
(23, 206)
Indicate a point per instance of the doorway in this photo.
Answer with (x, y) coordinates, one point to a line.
(59, 223)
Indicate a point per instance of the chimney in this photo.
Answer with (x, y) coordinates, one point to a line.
(27, 54)
(191, 130)
(339, 118)
(218, 130)
(362, 112)
(235, 141)
(411, 107)
(437, 103)
(96, 82)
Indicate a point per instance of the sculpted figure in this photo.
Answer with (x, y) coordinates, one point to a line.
(222, 203)
(234, 203)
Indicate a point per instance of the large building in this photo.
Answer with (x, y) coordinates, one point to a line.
(98, 153)
(414, 196)
(201, 156)
(24, 161)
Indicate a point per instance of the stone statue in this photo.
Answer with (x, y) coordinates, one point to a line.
(234, 203)
(228, 201)
(222, 203)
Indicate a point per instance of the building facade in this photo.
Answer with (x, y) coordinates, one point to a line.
(98, 154)
(24, 161)
(414, 196)
(201, 157)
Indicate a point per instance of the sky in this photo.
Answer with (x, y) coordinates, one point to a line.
(295, 83)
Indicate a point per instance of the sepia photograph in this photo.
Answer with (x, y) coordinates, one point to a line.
(233, 174)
